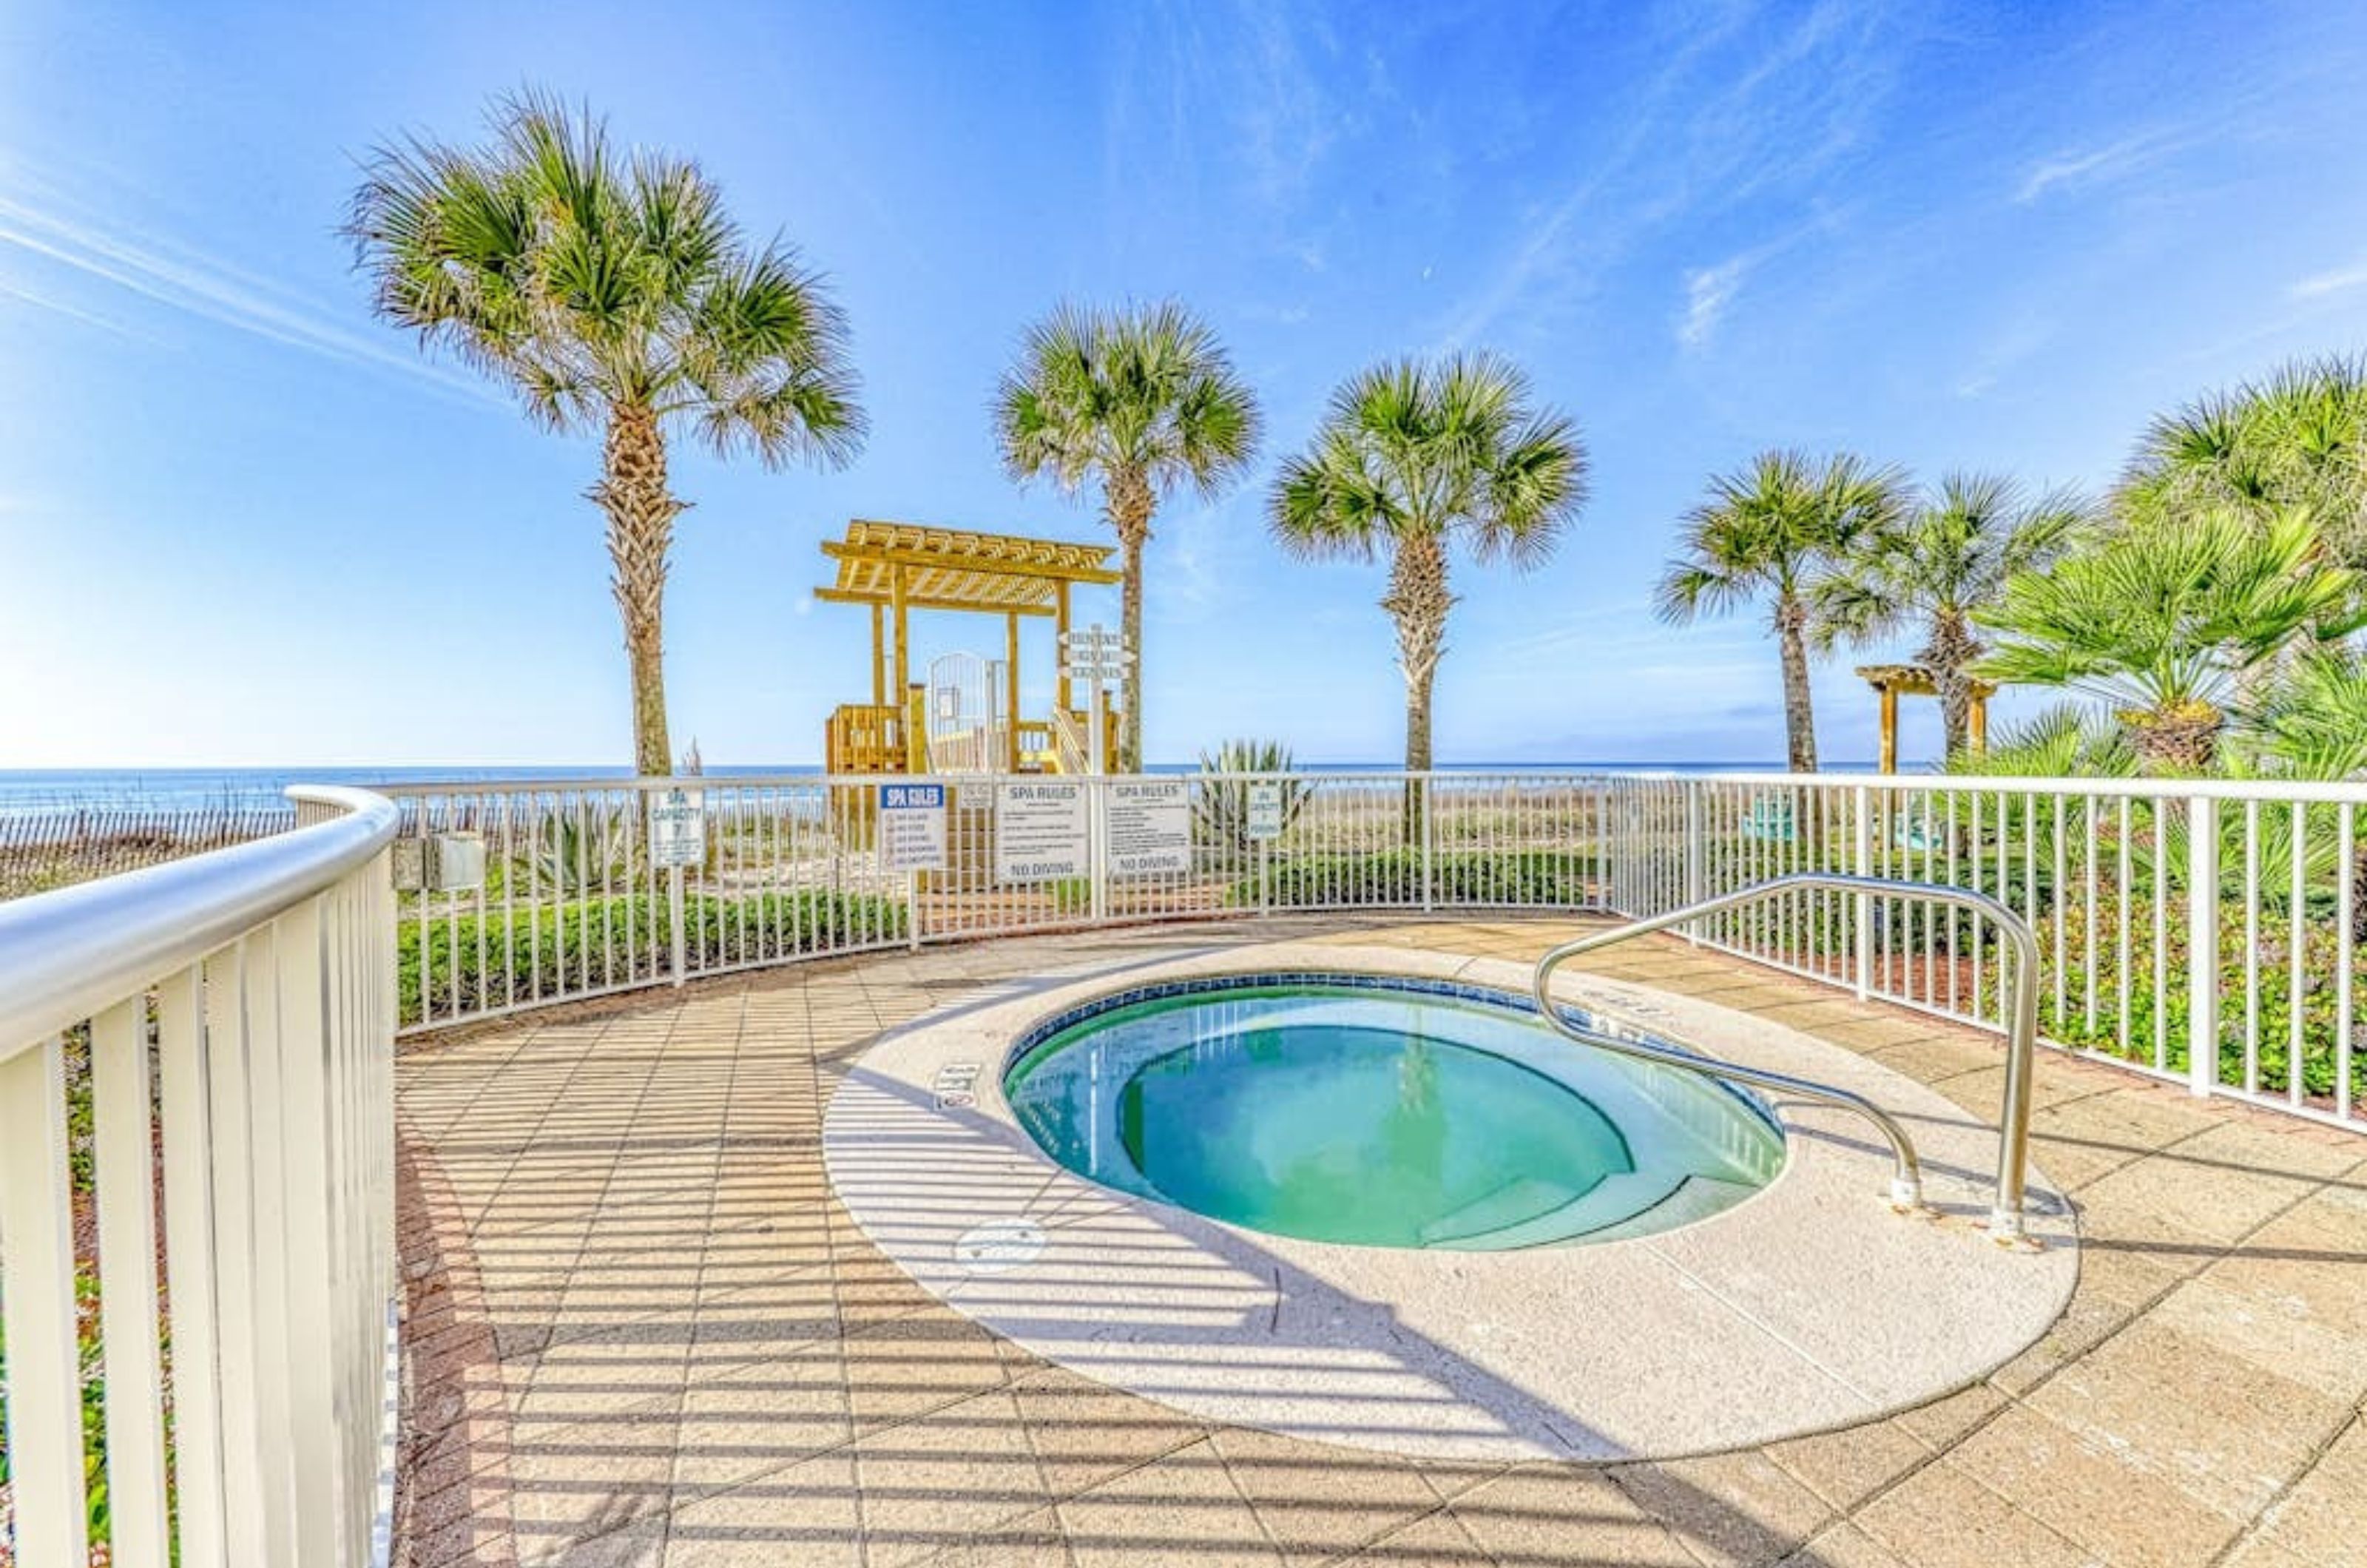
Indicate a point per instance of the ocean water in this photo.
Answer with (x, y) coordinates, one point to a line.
(30, 790)
(40, 790)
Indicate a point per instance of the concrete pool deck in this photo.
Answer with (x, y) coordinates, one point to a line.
(1812, 1305)
(644, 1332)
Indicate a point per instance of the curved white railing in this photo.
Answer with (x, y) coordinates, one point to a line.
(236, 1011)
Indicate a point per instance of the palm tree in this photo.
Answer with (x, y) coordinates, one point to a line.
(1412, 456)
(2164, 618)
(612, 292)
(2065, 741)
(2312, 721)
(1948, 559)
(2298, 437)
(1787, 527)
(1146, 398)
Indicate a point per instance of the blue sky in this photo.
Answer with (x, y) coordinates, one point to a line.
(242, 523)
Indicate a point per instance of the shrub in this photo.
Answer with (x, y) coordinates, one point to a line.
(616, 941)
(2320, 992)
(1551, 877)
(1221, 807)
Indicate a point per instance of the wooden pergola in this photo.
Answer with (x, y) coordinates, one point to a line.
(897, 568)
(1892, 681)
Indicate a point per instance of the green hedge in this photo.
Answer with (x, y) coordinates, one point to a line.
(616, 942)
(1550, 877)
(2321, 993)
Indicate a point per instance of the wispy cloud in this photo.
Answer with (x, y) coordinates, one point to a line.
(1708, 291)
(2342, 280)
(13, 288)
(1206, 552)
(2075, 169)
(1256, 81)
(81, 248)
(1734, 111)
(2022, 339)
(1286, 121)
(1613, 636)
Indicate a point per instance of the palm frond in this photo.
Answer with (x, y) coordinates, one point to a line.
(2168, 614)
(593, 278)
(2062, 741)
(1451, 448)
(1144, 391)
(2296, 436)
(1786, 523)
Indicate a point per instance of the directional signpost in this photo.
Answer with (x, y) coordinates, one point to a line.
(1098, 657)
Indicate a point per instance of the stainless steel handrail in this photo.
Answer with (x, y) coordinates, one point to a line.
(1906, 1185)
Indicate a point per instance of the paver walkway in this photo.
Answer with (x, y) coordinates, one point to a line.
(643, 1332)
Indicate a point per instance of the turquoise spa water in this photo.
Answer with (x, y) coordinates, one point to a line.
(1386, 1118)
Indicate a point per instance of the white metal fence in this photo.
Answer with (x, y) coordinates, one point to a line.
(575, 905)
(203, 1047)
(2207, 932)
(2107, 871)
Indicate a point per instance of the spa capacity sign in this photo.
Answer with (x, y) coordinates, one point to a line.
(678, 827)
(911, 826)
(1150, 827)
(1043, 831)
(1265, 812)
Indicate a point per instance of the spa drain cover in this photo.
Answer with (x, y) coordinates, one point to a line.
(999, 1246)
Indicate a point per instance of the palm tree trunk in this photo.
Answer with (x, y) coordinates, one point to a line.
(1418, 601)
(1799, 717)
(632, 494)
(1129, 501)
(2178, 741)
(1949, 655)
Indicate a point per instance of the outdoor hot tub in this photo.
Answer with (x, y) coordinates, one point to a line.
(1382, 1112)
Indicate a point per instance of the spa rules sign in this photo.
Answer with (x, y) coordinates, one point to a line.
(1150, 827)
(1043, 831)
(911, 826)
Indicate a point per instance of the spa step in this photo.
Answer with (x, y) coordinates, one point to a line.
(1694, 1197)
(1510, 1205)
(1631, 1203)
(1609, 1202)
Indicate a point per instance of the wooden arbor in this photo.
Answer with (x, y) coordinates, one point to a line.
(1890, 681)
(897, 568)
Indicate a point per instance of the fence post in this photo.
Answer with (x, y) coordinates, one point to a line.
(673, 909)
(44, 1381)
(1265, 876)
(1862, 864)
(1695, 888)
(2203, 945)
(1097, 845)
(1424, 804)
